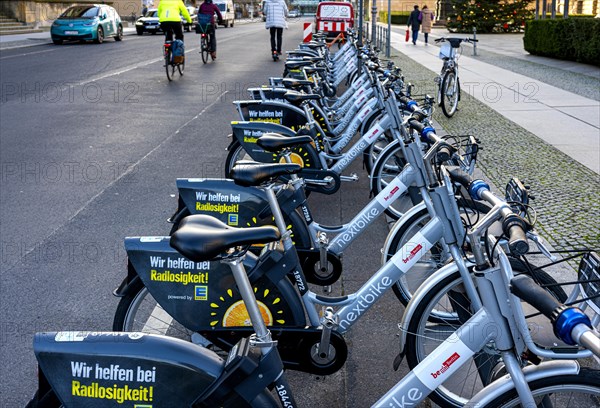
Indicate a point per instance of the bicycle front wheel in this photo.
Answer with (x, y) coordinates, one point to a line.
(426, 331)
(387, 166)
(564, 391)
(450, 93)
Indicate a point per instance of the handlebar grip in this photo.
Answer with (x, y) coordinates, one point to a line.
(416, 125)
(444, 153)
(514, 227)
(524, 287)
(459, 176)
(566, 321)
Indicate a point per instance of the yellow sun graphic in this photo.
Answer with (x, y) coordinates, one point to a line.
(236, 314)
(299, 156)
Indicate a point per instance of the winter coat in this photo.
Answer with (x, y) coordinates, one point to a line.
(426, 20)
(413, 20)
(276, 12)
(169, 10)
(210, 9)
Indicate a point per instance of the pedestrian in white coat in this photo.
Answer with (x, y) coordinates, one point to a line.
(276, 12)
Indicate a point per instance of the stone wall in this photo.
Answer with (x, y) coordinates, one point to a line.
(44, 12)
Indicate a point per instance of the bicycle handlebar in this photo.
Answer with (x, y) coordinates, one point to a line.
(513, 226)
(570, 324)
(456, 39)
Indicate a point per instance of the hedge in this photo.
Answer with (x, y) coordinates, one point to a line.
(573, 39)
(398, 17)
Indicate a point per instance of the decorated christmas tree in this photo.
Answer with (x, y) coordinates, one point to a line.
(488, 15)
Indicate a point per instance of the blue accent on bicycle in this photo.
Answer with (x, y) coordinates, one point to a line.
(476, 187)
(566, 322)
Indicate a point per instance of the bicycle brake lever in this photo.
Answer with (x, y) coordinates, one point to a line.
(539, 241)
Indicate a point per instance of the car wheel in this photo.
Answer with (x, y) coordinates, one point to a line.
(153, 32)
(57, 41)
(139, 32)
(100, 37)
(231, 24)
(119, 35)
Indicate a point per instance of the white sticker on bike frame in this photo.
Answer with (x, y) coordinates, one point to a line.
(444, 361)
(70, 336)
(392, 191)
(411, 252)
(373, 133)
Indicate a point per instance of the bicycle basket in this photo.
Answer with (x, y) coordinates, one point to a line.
(446, 51)
(589, 276)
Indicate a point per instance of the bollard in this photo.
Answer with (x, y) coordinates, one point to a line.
(474, 43)
(307, 32)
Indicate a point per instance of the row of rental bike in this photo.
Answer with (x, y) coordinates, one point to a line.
(216, 313)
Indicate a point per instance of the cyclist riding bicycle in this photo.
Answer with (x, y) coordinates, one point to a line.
(168, 16)
(209, 9)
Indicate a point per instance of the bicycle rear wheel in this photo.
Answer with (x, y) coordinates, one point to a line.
(169, 67)
(204, 48)
(450, 93)
(181, 67)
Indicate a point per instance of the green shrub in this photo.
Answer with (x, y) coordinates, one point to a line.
(398, 17)
(573, 39)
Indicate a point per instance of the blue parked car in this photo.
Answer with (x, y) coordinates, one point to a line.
(87, 22)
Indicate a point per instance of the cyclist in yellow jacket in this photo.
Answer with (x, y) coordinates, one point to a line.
(168, 16)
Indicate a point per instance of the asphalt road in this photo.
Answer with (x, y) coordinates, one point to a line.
(92, 138)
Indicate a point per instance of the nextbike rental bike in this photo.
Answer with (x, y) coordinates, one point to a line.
(206, 30)
(448, 83)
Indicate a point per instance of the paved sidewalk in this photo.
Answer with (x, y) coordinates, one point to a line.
(566, 120)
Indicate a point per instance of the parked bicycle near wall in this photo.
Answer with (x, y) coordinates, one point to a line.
(448, 83)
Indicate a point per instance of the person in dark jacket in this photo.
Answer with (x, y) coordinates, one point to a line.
(209, 8)
(414, 23)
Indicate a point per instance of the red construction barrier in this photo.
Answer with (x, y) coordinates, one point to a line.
(308, 31)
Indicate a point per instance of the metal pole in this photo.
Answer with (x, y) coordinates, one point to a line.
(566, 9)
(474, 43)
(389, 30)
(537, 9)
(544, 6)
(373, 21)
(553, 9)
(360, 23)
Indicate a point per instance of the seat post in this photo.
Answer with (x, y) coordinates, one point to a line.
(277, 214)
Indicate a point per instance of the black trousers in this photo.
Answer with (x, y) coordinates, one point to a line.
(276, 45)
(170, 27)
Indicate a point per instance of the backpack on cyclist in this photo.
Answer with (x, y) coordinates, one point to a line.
(177, 51)
(204, 25)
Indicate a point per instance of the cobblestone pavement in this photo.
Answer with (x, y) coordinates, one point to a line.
(567, 194)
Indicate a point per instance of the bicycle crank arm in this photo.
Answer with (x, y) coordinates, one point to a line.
(298, 347)
(320, 181)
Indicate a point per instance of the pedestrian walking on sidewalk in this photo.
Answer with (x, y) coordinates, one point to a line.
(426, 18)
(276, 12)
(414, 23)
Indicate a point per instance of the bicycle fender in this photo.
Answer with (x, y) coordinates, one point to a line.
(397, 227)
(546, 369)
(417, 298)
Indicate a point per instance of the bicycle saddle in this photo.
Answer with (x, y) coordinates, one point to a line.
(274, 142)
(297, 64)
(249, 173)
(202, 237)
(292, 83)
(296, 98)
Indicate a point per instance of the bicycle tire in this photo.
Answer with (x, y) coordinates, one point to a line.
(450, 93)
(387, 166)
(306, 157)
(423, 336)
(430, 262)
(548, 390)
(168, 66)
(181, 67)
(48, 400)
(204, 49)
